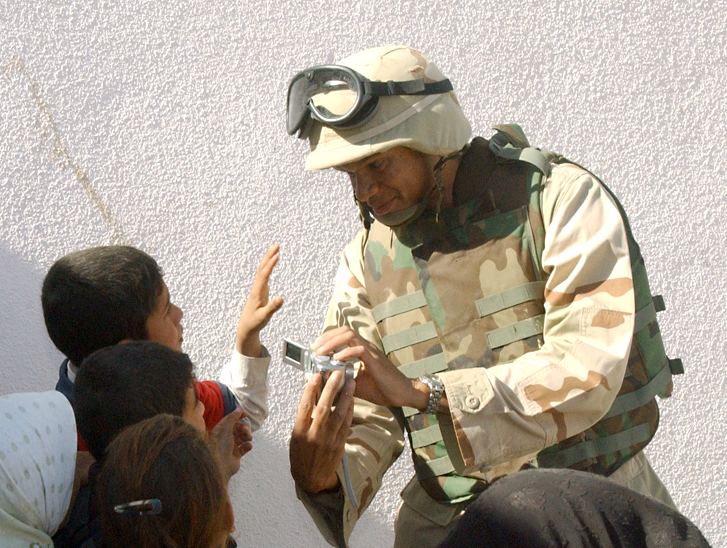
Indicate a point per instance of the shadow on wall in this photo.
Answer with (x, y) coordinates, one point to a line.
(29, 360)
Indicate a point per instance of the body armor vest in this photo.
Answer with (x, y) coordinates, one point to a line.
(468, 291)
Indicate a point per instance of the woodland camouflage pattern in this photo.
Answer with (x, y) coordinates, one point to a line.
(543, 390)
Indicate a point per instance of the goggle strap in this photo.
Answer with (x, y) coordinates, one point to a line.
(392, 122)
(407, 87)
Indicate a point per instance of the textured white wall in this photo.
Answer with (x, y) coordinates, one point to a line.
(161, 124)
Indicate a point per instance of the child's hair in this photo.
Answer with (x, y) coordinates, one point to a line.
(121, 385)
(99, 296)
(163, 458)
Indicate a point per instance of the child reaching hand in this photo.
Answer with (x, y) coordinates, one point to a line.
(102, 296)
(247, 372)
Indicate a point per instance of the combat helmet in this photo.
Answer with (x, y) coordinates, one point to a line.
(413, 105)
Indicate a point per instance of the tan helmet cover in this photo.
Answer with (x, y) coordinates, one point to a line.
(432, 124)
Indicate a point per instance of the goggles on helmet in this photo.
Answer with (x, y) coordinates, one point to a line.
(340, 97)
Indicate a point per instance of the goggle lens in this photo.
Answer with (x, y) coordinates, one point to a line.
(330, 94)
(339, 97)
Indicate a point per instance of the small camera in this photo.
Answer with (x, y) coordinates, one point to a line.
(310, 363)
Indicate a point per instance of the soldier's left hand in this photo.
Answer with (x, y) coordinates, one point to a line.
(378, 380)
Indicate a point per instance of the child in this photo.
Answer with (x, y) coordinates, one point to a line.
(147, 496)
(37, 467)
(102, 296)
(119, 386)
(123, 384)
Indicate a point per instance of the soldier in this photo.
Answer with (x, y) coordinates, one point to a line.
(495, 298)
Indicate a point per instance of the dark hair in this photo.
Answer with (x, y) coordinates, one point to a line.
(163, 458)
(121, 385)
(99, 296)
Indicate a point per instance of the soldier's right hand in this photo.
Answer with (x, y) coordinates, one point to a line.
(319, 434)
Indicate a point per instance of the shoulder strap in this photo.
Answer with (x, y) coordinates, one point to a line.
(510, 144)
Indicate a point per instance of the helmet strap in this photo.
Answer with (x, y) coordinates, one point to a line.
(400, 218)
(365, 213)
(438, 167)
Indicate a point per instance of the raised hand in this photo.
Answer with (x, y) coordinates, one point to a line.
(259, 308)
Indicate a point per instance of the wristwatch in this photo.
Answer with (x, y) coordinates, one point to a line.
(436, 389)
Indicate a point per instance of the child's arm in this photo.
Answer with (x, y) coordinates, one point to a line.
(246, 373)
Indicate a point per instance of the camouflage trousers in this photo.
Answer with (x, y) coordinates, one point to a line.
(423, 523)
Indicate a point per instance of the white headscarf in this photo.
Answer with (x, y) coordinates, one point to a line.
(37, 467)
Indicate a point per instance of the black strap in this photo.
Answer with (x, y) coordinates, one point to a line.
(408, 87)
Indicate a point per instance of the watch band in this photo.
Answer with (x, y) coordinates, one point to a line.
(436, 389)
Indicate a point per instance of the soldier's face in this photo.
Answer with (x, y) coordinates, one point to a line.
(392, 181)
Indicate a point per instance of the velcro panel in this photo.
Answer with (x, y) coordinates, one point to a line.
(399, 305)
(509, 298)
(409, 337)
(434, 468)
(426, 436)
(426, 366)
(516, 332)
(595, 448)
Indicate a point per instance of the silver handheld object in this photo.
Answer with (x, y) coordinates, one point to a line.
(310, 363)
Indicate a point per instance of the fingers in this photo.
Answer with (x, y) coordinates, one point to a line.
(347, 414)
(268, 262)
(335, 338)
(227, 423)
(243, 449)
(336, 421)
(307, 403)
(330, 391)
(355, 352)
(271, 308)
(241, 434)
(242, 440)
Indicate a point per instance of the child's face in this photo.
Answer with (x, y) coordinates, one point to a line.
(194, 409)
(164, 323)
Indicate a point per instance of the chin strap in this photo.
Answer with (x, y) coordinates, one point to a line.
(406, 216)
(365, 214)
(438, 167)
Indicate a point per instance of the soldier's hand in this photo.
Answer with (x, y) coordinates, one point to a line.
(319, 434)
(378, 380)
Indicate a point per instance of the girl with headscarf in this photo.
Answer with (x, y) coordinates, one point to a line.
(37, 467)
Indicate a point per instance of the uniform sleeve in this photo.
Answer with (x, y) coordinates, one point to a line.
(507, 413)
(247, 379)
(376, 438)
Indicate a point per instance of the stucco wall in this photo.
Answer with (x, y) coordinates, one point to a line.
(161, 124)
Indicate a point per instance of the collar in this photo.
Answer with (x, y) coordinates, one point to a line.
(72, 371)
(471, 194)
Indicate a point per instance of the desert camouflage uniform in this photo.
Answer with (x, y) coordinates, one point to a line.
(508, 400)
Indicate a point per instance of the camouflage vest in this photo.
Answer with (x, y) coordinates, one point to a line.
(436, 311)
